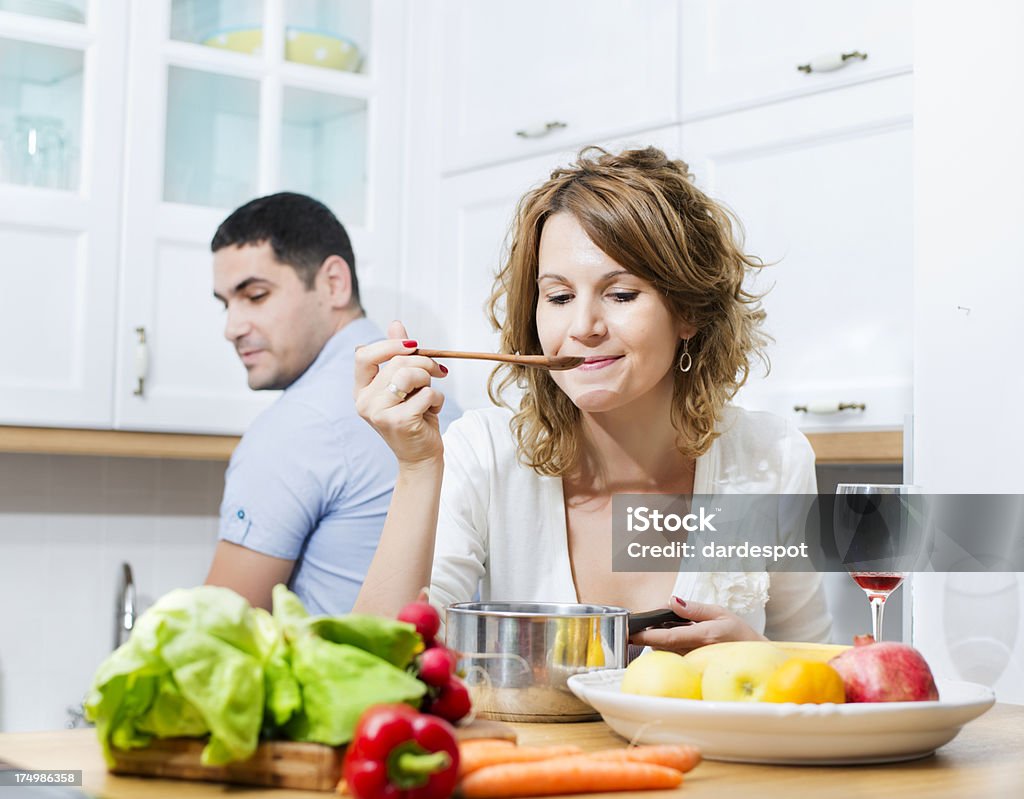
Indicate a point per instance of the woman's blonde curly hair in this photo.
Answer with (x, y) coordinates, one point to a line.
(643, 210)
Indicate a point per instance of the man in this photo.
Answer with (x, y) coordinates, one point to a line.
(309, 484)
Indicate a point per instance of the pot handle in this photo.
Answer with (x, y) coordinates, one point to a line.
(654, 618)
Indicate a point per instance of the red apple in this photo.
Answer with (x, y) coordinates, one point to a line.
(884, 672)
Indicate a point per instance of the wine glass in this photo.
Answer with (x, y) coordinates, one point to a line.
(875, 521)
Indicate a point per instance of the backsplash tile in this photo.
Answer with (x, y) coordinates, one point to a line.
(66, 525)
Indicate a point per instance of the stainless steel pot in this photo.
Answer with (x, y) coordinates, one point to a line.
(517, 656)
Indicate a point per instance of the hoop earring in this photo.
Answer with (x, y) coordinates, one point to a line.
(685, 359)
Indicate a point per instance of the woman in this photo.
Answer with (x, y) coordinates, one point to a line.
(622, 260)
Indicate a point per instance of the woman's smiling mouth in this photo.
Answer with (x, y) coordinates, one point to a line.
(598, 362)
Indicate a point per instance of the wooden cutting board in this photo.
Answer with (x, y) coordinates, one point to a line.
(279, 764)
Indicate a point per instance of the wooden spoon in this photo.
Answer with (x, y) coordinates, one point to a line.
(555, 363)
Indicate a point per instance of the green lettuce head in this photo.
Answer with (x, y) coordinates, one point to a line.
(202, 662)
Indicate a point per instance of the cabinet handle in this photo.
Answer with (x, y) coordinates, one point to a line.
(141, 362)
(831, 62)
(537, 133)
(830, 407)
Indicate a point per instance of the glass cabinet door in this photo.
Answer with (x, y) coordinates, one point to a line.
(63, 10)
(276, 118)
(333, 34)
(323, 151)
(61, 158)
(212, 137)
(232, 100)
(229, 24)
(40, 114)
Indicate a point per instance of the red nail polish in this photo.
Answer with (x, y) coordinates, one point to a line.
(410, 343)
(444, 369)
(681, 602)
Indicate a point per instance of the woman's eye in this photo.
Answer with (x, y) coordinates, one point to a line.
(559, 299)
(625, 296)
(258, 297)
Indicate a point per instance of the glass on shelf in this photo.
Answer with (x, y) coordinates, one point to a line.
(323, 151)
(328, 33)
(40, 114)
(64, 10)
(227, 24)
(211, 153)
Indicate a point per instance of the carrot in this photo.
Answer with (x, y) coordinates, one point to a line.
(473, 758)
(565, 775)
(681, 758)
(484, 743)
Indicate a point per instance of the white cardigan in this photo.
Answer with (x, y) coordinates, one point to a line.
(502, 526)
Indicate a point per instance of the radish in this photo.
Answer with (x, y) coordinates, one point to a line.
(437, 665)
(424, 618)
(452, 701)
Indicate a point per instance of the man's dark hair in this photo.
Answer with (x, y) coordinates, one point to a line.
(301, 231)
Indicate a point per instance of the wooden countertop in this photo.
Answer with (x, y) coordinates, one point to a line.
(853, 446)
(985, 760)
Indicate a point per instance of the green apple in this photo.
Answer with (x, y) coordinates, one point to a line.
(740, 672)
(662, 674)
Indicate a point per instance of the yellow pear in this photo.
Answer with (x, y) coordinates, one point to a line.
(662, 674)
(741, 672)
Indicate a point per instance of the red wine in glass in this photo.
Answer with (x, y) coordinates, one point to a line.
(878, 582)
(878, 586)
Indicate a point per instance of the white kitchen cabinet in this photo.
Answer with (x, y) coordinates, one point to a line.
(823, 187)
(476, 211)
(741, 53)
(535, 76)
(107, 309)
(210, 129)
(61, 133)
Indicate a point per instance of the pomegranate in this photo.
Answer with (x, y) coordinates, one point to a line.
(884, 672)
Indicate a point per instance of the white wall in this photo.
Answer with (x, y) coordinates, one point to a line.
(66, 524)
(969, 325)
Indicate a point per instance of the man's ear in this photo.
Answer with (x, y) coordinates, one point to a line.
(337, 277)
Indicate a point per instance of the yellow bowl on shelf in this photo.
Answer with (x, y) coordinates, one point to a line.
(241, 40)
(321, 50)
(301, 47)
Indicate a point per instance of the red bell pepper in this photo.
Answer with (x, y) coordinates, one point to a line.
(399, 753)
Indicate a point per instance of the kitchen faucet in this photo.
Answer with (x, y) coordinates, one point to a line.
(124, 623)
(125, 610)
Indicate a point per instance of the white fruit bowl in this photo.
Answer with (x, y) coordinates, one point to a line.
(764, 732)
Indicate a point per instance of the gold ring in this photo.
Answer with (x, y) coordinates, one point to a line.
(397, 391)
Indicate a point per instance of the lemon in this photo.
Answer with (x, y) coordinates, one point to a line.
(804, 681)
(662, 674)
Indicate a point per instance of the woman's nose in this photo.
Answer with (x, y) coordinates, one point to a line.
(587, 322)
